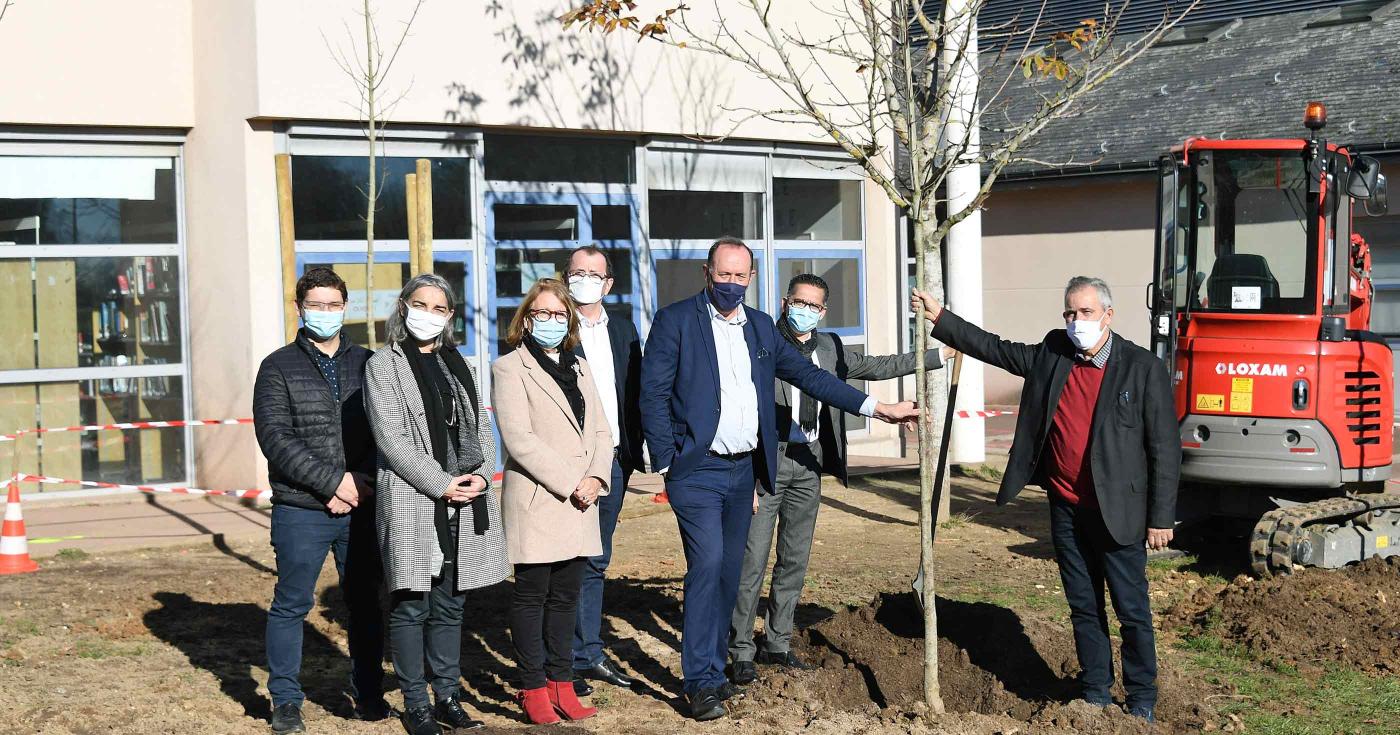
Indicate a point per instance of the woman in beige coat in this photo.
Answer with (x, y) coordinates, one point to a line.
(559, 457)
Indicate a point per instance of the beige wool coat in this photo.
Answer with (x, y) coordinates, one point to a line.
(547, 455)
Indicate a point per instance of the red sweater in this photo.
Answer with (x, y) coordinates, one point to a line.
(1067, 469)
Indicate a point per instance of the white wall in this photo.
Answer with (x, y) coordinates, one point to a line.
(84, 62)
(509, 63)
(1038, 236)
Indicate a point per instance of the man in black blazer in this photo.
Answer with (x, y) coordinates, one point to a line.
(614, 351)
(1097, 429)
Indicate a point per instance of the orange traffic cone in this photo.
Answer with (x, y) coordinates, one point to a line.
(14, 544)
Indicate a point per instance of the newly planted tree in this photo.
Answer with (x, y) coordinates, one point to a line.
(367, 62)
(913, 93)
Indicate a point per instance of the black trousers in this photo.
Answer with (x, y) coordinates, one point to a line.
(543, 610)
(1089, 560)
(427, 626)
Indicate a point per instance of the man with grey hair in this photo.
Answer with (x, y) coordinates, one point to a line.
(1097, 430)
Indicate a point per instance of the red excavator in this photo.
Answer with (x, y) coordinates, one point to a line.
(1262, 310)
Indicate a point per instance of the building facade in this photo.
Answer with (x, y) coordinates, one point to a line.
(139, 239)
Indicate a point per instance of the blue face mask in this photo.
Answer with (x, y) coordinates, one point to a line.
(548, 333)
(323, 324)
(727, 296)
(803, 320)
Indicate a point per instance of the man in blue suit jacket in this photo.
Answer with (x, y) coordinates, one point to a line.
(708, 418)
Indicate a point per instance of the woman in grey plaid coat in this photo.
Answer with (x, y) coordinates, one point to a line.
(439, 519)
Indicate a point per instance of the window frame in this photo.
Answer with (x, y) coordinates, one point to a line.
(43, 144)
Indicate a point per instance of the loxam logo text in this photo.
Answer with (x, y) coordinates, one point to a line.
(1250, 368)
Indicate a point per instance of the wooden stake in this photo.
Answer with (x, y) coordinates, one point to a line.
(287, 236)
(410, 188)
(940, 502)
(424, 181)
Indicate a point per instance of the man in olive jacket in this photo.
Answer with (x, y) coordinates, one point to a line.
(309, 417)
(812, 442)
(1097, 429)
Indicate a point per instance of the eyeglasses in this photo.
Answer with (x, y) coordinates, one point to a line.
(422, 306)
(541, 315)
(323, 305)
(587, 275)
(1086, 314)
(800, 304)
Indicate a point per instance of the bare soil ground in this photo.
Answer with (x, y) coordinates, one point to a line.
(171, 640)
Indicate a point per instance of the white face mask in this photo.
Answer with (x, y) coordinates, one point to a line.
(424, 325)
(1084, 333)
(586, 289)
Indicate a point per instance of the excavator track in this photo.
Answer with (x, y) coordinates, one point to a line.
(1292, 535)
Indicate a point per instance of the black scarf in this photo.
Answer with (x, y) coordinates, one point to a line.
(437, 415)
(564, 372)
(807, 410)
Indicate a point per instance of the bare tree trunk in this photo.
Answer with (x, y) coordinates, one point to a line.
(372, 190)
(933, 399)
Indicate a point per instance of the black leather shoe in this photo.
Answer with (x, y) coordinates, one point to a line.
(705, 705)
(581, 687)
(286, 718)
(371, 710)
(605, 671)
(419, 721)
(729, 691)
(786, 659)
(744, 672)
(449, 712)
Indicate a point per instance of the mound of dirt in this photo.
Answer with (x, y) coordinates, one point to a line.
(991, 662)
(1309, 619)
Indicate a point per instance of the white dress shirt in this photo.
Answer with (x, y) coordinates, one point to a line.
(738, 398)
(597, 349)
(815, 433)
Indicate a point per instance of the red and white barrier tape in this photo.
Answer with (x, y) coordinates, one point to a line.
(129, 425)
(981, 414)
(244, 494)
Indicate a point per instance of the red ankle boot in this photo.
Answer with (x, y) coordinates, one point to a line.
(538, 706)
(565, 701)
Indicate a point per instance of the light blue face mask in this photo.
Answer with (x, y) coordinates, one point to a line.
(803, 320)
(323, 324)
(548, 332)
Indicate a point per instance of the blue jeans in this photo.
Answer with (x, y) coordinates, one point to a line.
(301, 538)
(1088, 558)
(588, 627)
(713, 507)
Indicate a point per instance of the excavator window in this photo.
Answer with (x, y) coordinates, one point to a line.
(1251, 250)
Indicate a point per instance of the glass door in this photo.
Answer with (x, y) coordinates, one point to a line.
(529, 236)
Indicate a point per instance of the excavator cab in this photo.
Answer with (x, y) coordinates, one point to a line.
(1260, 306)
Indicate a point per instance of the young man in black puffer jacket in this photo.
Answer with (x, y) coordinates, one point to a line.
(308, 412)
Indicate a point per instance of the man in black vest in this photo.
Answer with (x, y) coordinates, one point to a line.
(812, 443)
(614, 352)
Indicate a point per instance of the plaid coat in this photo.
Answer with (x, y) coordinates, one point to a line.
(410, 480)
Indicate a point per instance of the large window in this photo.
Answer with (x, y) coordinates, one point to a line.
(544, 159)
(706, 215)
(842, 276)
(816, 209)
(328, 204)
(91, 311)
(328, 195)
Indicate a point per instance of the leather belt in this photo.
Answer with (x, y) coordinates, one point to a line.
(735, 457)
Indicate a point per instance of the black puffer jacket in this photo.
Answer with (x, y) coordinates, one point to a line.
(309, 440)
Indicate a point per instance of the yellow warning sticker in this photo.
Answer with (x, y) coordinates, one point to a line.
(1242, 385)
(1382, 542)
(1241, 402)
(1210, 402)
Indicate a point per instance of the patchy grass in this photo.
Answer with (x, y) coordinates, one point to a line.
(957, 520)
(1274, 699)
(983, 472)
(1046, 596)
(72, 554)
